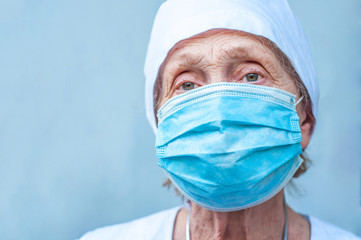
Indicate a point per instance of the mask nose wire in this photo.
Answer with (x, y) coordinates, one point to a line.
(298, 101)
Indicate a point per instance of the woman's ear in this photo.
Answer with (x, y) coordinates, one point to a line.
(306, 125)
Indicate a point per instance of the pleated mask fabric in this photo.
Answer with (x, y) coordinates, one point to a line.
(229, 146)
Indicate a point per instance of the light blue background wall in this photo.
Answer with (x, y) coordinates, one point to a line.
(76, 151)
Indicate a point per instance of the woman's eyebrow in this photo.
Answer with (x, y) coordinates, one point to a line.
(238, 53)
(188, 59)
(191, 59)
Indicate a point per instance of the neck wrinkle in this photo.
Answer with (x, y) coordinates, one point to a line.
(264, 221)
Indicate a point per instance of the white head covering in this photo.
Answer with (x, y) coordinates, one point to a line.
(177, 20)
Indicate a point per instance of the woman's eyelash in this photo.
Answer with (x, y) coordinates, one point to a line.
(257, 72)
(179, 84)
(251, 77)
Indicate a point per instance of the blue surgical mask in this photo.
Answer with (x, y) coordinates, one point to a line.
(229, 146)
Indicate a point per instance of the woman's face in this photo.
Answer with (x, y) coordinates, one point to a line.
(226, 57)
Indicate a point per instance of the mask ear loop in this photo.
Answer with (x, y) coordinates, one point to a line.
(299, 100)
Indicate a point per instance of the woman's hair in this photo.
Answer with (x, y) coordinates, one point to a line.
(158, 93)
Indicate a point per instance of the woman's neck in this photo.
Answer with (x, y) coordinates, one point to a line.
(264, 221)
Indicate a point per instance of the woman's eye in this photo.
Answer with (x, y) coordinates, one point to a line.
(252, 77)
(188, 86)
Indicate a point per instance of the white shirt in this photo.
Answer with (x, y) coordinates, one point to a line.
(159, 226)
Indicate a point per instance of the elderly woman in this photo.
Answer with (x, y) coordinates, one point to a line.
(232, 96)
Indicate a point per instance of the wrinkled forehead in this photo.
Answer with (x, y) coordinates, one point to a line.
(221, 43)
